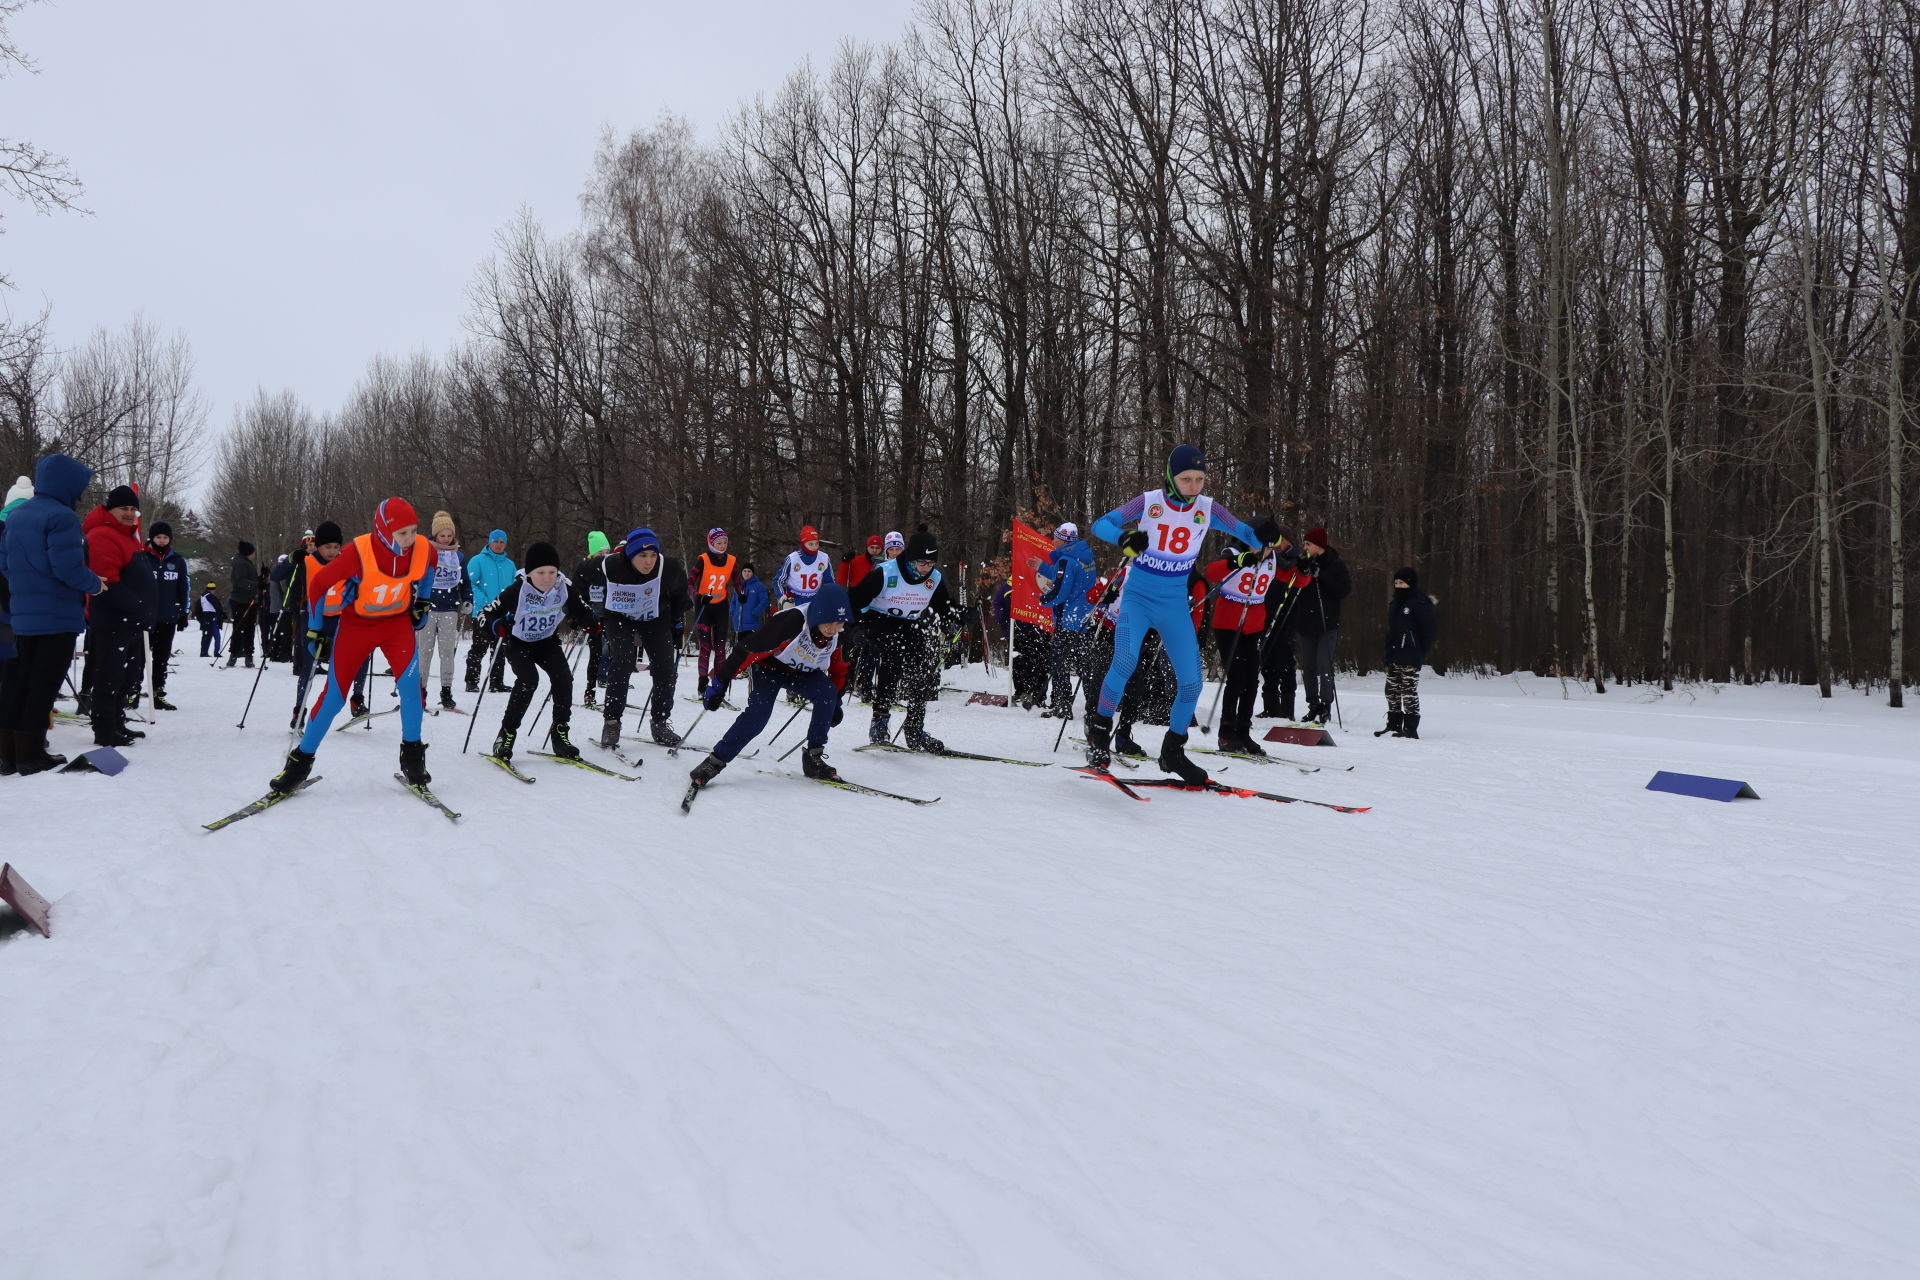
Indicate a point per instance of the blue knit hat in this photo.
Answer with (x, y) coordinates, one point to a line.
(1185, 458)
(641, 539)
(829, 604)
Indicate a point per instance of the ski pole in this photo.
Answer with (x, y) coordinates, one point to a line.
(575, 646)
(1226, 674)
(475, 719)
(1079, 687)
(783, 728)
(258, 672)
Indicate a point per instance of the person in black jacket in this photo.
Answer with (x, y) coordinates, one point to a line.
(526, 618)
(646, 600)
(1411, 631)
(243, 598)
(174, 592)
(116, 649)
(908, 611)
(590, 575)
(1316, 619)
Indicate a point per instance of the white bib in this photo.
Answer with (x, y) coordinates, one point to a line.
(1173, 537)
(1248, 586)
(802, 580)
(899, 598)
(446, 569)
(637, 600)
(538, 613)
(802, 652)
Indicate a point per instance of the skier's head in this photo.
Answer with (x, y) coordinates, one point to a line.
(597, 543)
(894, 544)
(1405, 581)
(809, 538)
(444, 532)
(244, 549)
(642, 549)
(876, 547)
(920, 558)
(1186, 473)
(160, 535)
(543, 566)
(21, 491)
(497, 542)
(327, 541)
(829, 610)
(396, 524)
(746, 572)
(1066, 531)
(717, 541)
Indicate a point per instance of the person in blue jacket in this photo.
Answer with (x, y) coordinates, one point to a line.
(749, 605)
(1160, 533)
(1411, 631)
(176, 595)
(489, 573)
(1065, 579)
(44, 558)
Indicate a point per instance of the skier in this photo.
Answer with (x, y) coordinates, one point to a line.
(646, 598)
(488, 574)
(1317, 619)
(713, 577)
(1411, 631)
(283, 610)
(322, 616)
(1064, 579)
(907, 608)
(448, 597)
(212, 616)
(115, 621)
(590, 577)
(526, 617)
(243, 597)
(861, 656)
(802, 572)
(1277, 681)
(1239, 623)
(390, 573)
(170, 571)
(797, 652)
(1168, 525)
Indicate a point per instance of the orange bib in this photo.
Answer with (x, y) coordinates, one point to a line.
(382, 594)
(335, 602)
(714, 579)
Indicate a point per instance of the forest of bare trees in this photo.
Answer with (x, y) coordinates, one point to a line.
(1601, 312)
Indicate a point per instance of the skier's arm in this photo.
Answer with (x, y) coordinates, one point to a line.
(1111, 526)
(491, 616)
(342, 567)
(866, 590)
(771, 637)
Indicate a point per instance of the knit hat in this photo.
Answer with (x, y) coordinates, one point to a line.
(1066, 531)
(641, 539)
(1317, 536)
(1408, 576)
(808, 534)
(307, 536)
(441, 520)
(921, 546)
(829, 604)
(245, 548)
(874, 541)
(391, 516)
(213, 586)
(542, 555)
(1184, 458)
(122, 495)
(21, 491)
(715, 532)
(159, 529)
(596, 542)
(894, 540)
(498, 535)
(327, 532)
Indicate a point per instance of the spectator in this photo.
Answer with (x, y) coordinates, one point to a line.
(117, 621)
(243, 597)
(43, 557)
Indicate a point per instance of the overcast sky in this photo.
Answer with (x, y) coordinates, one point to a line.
(299, 187)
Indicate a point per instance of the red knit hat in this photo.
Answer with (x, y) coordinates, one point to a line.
(391, 516)
(808, 534)
(1317, 536)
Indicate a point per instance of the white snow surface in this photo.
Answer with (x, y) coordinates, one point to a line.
(1523, 1019)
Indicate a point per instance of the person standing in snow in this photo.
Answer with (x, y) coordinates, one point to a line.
(447, 596)
(1064, 578)
(175, 592)
(907, 609)
(852, 571)
(43, 557)
(118, 619)
(321, 619)
(211, 616)
(803, 572)
(749, 600)
(1411, 632)
(16, 497)
(243, 597)
(1317, 619)
(590, 577)
(526, 617)
(646, 599)
(713, 578)
(488, 574)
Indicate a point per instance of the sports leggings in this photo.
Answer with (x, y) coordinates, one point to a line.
(1153, 603)
(356, 642)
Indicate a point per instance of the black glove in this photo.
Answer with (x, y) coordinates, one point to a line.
(317, 644)
(421, 608)
(839, 711)
(1267, 530)
(846, 556)
(1309, 566)
(1133, 542)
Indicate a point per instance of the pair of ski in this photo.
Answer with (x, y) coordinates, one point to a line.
(1130, 785)
(575, 761)
(1133, 762)
(694, 789)
(951, 754)
(273, 798)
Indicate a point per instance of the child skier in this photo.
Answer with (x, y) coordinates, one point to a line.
(802, 572)
(713, 570)
(449, 594)
(907, 609)
(1239, 624)
(646, 597)
(590, 579)
(526, 617)
(389, 572)
(797, 651)
(1168, 526)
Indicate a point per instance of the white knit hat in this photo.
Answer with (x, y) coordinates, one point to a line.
(895, 540)
(21, 491)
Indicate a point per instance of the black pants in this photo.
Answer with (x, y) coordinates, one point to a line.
(1240, 659)
(527, 660)
(40, 664)
(903, 660)
(1276, 671)
(117, 658)
(241, 646)
(477, 657)
(624, 638)
(1316, 667)
(159, 651)
(1031, 644)
(1068, 663)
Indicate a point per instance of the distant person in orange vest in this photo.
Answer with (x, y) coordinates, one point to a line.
(713, 582)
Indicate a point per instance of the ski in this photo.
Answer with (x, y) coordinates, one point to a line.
(864, 790)
(1260, 759)
(686, 801)
(1222, 788)
(508, 766)
(685, 746)
(358, 720)
(1087, 770)
(427, 796)
(1302, 764)
(952, 755)
(1120, 758)
(588, 765)
(261, 805)
(701, 702)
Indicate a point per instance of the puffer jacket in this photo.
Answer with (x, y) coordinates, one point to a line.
(131, 601)
(44, 554)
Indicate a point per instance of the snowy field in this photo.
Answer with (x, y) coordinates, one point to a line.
(1524, 1019)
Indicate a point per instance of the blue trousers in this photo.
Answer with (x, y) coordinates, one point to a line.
(353, 646)
(1155, 604)
(771, 679)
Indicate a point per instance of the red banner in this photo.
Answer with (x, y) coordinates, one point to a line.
(1030, 548)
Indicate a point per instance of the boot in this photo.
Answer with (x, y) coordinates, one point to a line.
(589, 701)
(1099, 740)
(473, 685)
(1395, 722)
(231, 658)
(293, 773)
(609, 739)
(6, 754)
(30, 754)
(1124, 744)
(503, 744)
(413, 764)
(1410, 725)
(813, 763)
(1239, 738)
(1269, 703)
(358, 707)
(110, 736)
(160, 703)
(1173, 758)
(446, 698)
(707, 770)
(250, 662)
(916, 736)
(562, 744)
(880, 732)
(663, 733)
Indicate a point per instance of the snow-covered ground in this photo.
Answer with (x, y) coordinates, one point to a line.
(1524, 1019)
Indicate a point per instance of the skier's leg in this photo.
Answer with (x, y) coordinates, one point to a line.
(403, 656)
(520, 658)
(658, 638)
(817, 688)
(763, 691)
(1183, 651)
(1127, 636)
(351, 646)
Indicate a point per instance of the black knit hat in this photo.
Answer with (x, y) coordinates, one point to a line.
(326, 531)
(542, 554)
(922, 545)
(159, 529)
(122, 495)
(246, 548)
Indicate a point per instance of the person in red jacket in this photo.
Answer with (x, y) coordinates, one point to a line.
(863, 659)
(389, 572)
(119, 617)
(1239, 623)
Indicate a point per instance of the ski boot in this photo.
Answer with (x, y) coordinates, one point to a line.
(1099, 740)
(133, 702)
(413, 764)
(562, 744)
(503, 744)
(357, 707)
(1173, 758)
(1394, 724)
(1410, 725)
(589, 701)
(1124, 744)
(1239, 738)
(916, 736)
(707, 770)
(160, 703)
(473, 686)
(112, 736)
(609, 739)
(813, 763)
(446, 698)
(881, 733)
(83, 706)
(293, 773)
(6, 754)
(662, 731)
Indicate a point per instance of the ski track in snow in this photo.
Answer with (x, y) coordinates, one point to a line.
(1524, 1019)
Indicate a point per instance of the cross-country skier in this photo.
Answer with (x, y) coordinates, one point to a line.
(796, 652)
(449, 595)
(590, 577)
(802, 572)
(526, 617)
(713, 580)
(646, 599)
(391, 573)
(1167, 526)
(1064, 578)
(176, 589)
(907, 610)
(211, 615)
(1239, 624)
(322, 615)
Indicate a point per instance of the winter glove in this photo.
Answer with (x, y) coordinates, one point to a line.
(1133, 542)
(715, 692)
(501, 626)
(317, 644)
(1267, 530)
(1249, 558)
(839, 711)
(420, 610)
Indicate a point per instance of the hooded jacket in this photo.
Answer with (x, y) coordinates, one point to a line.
(490, 572)
(43, 552)
(749, 603)
(1071, 568)
(131, 601)
(1411, 627)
